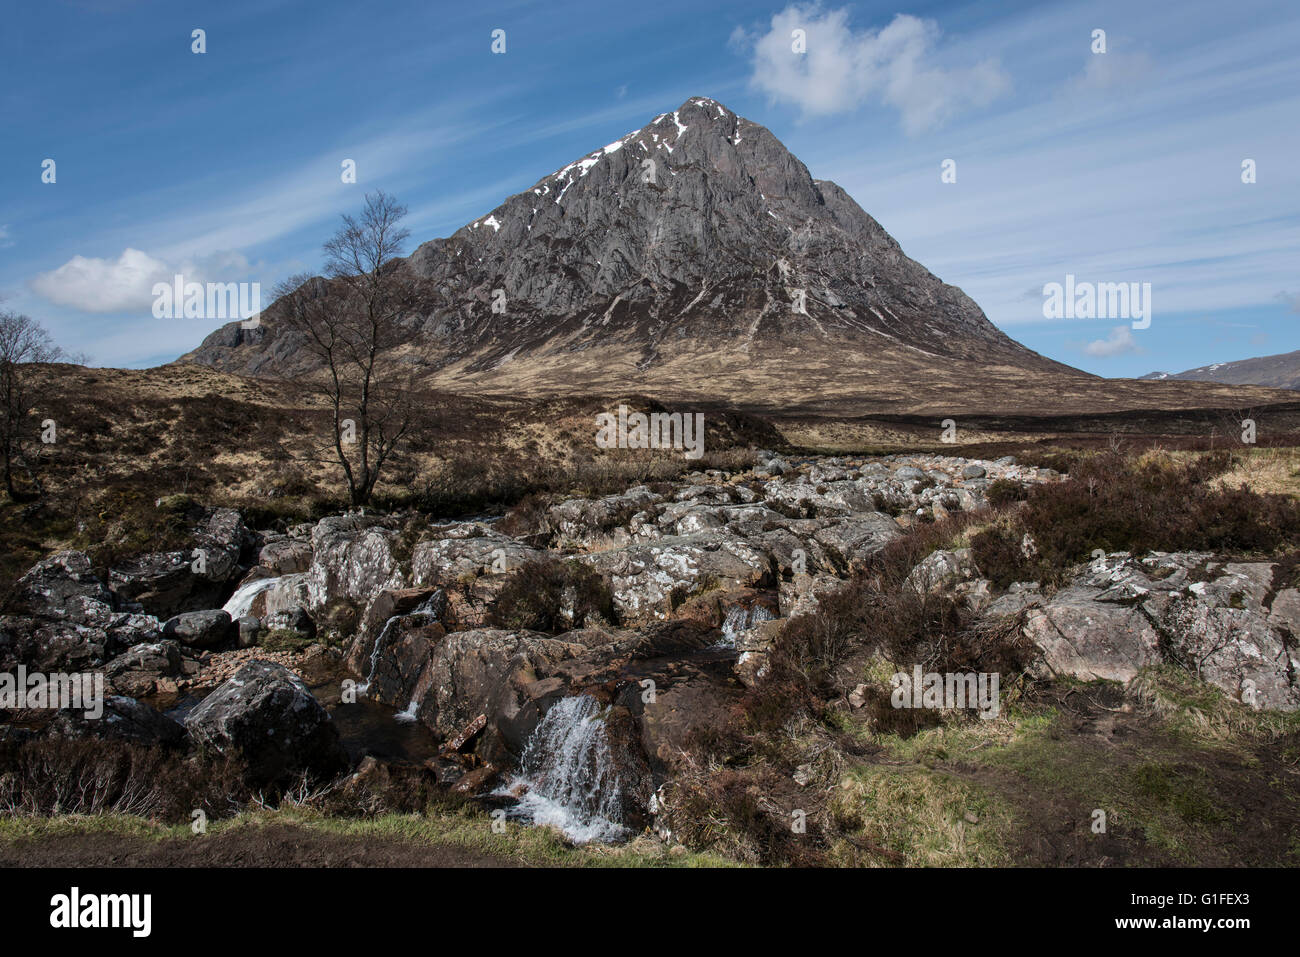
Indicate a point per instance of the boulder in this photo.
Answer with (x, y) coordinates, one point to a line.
(141, 670)
(200, 629)
(352, 558)
(187, 579)
(265, 715)
(64, 586)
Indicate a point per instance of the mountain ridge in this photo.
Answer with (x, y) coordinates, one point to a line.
(1279, 371)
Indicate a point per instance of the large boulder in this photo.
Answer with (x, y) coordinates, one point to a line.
(352, 559)
(265, 715)
(64, 586)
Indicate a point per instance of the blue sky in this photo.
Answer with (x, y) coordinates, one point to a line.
(1115, 167)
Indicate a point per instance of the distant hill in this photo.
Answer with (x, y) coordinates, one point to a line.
(1281, 371)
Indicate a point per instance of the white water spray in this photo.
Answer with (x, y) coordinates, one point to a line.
(241, 602)
(740, 620)
(567, 774)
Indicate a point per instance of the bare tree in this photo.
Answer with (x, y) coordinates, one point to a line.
(23, 341)
(352, 324)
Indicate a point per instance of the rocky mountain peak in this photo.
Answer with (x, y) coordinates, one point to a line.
(697, 235)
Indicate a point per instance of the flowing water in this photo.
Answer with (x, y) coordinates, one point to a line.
(424, 609)
(241, 602)
(739, 620)
(567, 778)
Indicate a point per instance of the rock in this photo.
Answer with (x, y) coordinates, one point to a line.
(1210, 618)
(941, 569)
(973, 471)
(295, 620)
(1089, 639)
(200, 629)
(470, 550)
(64, 586)
(352, 558)
(285, 556)
(124, 719)
(138, 671)
(454, 678)
(646, 579)
(250, 629)
(265, 715)
(188, 579)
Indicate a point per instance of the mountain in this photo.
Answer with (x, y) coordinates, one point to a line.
(1281, 371)
(674, 262)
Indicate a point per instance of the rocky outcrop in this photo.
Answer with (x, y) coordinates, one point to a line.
(1220, 621)
(70, 624)
(189, 579)
(266, 716)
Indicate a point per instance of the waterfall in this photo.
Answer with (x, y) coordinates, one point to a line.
(424, 609)
(739, 620)
(241, 602)
(567, 774)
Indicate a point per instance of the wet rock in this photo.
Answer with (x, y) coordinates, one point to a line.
(265, 715)
(250, 629)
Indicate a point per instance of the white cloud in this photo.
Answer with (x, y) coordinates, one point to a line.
(843, 68)
(126, 283)
(1120, 342)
